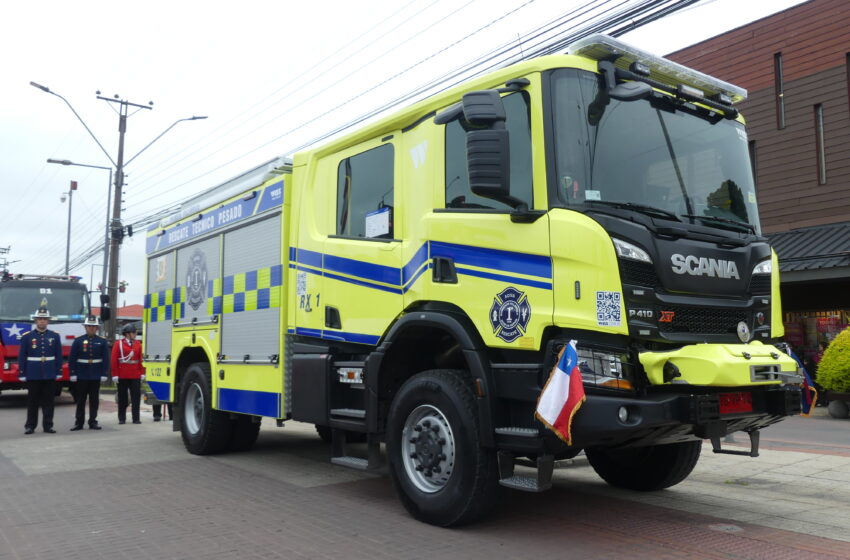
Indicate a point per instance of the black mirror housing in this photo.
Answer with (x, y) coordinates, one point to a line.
(483, 108)
(630, 91)
(488, 159)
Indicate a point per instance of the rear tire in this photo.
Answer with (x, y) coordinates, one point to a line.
(441, 472)
(645, 468)
(204, 430)
(246, 429)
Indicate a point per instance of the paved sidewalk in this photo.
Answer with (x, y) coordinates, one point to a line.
(794, 491)
(131, 491)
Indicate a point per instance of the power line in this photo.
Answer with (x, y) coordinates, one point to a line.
(549, 37)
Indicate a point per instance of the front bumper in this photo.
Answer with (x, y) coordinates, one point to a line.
(673, 417)
(655, 419)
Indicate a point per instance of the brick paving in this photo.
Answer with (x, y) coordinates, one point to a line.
(132, 492)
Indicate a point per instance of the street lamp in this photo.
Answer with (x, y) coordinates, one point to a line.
(116, 226)
(108, 197)
(70, 197)
(47, 90)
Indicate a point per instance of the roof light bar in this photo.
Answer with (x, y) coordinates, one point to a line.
(673, 74)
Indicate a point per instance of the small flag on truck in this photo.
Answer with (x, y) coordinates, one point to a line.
(563, 394)
(808, 395)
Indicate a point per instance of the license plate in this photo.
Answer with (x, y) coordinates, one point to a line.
(732, 403)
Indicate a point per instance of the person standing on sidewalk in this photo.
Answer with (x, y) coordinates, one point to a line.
(40, 365)
(128, 372)
(89, 365)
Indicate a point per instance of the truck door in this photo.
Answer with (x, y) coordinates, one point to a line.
(357, 294)
(496, 270)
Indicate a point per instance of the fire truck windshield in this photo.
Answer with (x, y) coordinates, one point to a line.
(19, 300)
(655, 152)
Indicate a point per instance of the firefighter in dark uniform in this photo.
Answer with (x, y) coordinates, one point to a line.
(89, 365)
(40, 364)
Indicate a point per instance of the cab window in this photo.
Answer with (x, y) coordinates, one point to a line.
(365, 194)
(458, 193)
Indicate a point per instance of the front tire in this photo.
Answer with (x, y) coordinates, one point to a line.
(645, 468)
(441, 472)
(205, 431)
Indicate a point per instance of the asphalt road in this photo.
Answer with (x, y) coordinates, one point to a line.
(132, 491)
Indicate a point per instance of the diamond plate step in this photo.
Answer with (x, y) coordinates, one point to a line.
(525, 483)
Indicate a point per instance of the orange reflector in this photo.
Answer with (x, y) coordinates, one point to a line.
(618, 384)
(479, 387)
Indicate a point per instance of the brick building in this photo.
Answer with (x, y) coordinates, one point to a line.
(795, 65)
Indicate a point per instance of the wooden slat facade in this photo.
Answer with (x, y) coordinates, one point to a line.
(814, 41)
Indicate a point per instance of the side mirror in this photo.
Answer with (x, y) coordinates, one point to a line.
(488, 162)
(488, 149)
(484, 108)
(105, 314)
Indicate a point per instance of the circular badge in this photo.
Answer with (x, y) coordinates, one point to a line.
(510, 314)
(743, 332)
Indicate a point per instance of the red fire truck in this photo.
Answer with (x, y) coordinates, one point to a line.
(20, 295)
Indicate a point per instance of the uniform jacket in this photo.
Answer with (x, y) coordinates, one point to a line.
(127, 359)
(89, 358)
(40, 356)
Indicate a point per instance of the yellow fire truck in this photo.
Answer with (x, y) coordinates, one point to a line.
(410, 284)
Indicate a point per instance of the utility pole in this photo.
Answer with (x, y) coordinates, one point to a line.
(108, 223)
(116, 227)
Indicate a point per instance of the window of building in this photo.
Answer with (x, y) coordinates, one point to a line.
(365, 194)
(819, 141)
(779, 87)
(458, 192)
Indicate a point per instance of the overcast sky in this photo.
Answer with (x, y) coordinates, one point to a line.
(270, 76)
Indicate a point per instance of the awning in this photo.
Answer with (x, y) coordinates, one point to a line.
(813, 253)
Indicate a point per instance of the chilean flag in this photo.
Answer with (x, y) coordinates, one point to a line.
(563, 394)
(808, 395)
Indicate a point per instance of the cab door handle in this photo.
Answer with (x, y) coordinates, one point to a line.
(443, 271)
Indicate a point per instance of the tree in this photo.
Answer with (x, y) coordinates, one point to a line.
(834, 367)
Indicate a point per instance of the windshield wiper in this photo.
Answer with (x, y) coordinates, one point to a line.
(744, 225)
(643, 208)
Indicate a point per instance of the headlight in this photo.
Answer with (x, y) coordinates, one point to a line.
(764, 267)
(604, 369)
(629, 251)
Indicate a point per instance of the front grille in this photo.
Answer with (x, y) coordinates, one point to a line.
(760, 284)
(638, 273)
(701, 321)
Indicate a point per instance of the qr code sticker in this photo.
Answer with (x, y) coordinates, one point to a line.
(608, 309)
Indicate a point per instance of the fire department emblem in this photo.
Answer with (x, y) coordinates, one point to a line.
(196, 279)
(510, 314)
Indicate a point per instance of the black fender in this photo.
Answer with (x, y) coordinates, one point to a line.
(463, 331)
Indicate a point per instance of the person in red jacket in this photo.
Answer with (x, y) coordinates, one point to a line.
(128, 372)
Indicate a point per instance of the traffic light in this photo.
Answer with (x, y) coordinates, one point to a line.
(105, 311)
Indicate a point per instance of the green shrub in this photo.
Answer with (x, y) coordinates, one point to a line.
(834, 367)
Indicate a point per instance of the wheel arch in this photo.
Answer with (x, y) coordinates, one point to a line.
(429, 339)
(187, 357)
